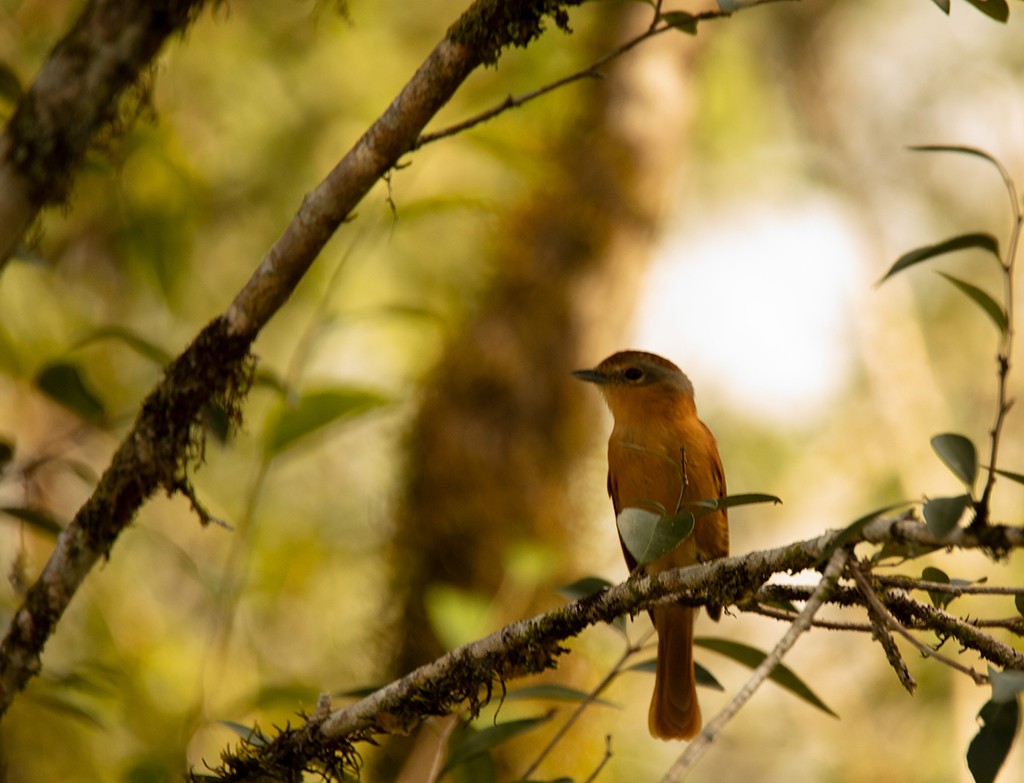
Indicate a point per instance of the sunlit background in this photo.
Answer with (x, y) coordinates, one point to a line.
(793, 194)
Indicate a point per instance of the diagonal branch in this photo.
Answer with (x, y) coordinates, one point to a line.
(217, 365)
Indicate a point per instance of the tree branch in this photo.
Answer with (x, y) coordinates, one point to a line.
(72, 98)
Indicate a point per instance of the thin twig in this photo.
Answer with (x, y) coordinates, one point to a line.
(786, 616)
(897, 626)
(697, 748)
(616, 670)
(909, 583)
(604, 760)
(882, 622)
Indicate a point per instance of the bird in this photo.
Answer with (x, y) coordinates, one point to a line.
(661, 456)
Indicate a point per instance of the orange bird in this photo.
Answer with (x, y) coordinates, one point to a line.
(660, 455)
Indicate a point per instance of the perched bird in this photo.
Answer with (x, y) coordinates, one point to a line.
(660, 455)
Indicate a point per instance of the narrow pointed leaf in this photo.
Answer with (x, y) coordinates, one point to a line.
(315, 411)
(942, 514)
(959, 149)
(37, 518)
(702, 507)
(943, 4)
(1018, 477)
(991, 307)
(959, 455)
(850, 533)
(962, 242)
(752, 657)
(991, 745)
(484, 740)
(993, 9)
(554, 692)
(6, 453)
(64, 383)
(581, 588)
(250, 734)
(1018, 602)
(648, 536)
(133, 340)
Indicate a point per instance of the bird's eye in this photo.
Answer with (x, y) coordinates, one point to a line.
(634, 374)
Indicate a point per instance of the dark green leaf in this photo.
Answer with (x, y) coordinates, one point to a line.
(942, 514)
(37, 518)
(217, 421)
(315, 411)
(993, 9)
(730, 501)
(752, 657)
(991, 745)
(991, 307)
(553, 692)
(648, 536)
(1018, 477)
(133, 340)
(938, 598)
(851, 532)
(959, 455)
(681, 20)
(482, 741)
(943, 4)
(6, 453)
(959, 149)
(64, 383)
(581, 588)
(1018, 601)
(250, 734)
(962, 242)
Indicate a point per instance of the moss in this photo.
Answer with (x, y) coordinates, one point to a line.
(490, 26)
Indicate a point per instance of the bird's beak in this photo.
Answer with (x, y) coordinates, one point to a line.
(590, 376)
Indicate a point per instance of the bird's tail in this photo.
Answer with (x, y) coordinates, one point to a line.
(675, 713)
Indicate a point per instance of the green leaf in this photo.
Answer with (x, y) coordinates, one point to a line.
(991, 307)
(482, 741)
(554, 692)
(1006, 684)
(752, 658)
(943, 4)
(1018, 477)
(959, 149)
(959, 455)
(37, 518)
(991, 745)
(1018, 601)
(942, 514)
(10, 85)
(681, 20)
(315, 411)
(993, 9)
(938, 598)
(64, 383)
(138, 343)
(702, 676)
(581, 588)
(730, 501)
(851, 532)
(962, 242)
(649, 536)
(249, 734)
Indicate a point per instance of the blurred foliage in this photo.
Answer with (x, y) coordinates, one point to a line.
(188, 626)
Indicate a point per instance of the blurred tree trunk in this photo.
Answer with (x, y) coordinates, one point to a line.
(502, 421)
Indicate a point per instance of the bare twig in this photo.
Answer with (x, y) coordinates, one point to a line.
(631, 650)
(604, 760)
(876, 605)
(697, 748)
(881, 622)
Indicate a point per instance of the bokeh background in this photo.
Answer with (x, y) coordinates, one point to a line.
(728, 200)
